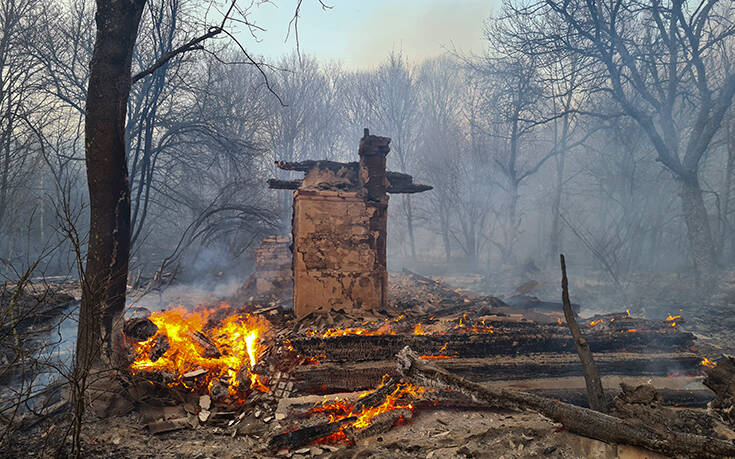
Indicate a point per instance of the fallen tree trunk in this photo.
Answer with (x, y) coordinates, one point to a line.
(578, 420)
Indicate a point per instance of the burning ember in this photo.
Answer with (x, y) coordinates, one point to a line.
(708, 363)
(185, 345)
(464, 324)
(365, 409)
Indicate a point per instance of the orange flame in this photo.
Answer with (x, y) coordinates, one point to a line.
(339, 409)
(708, 363)
(417, 330)
(595, 322)
(237, 339)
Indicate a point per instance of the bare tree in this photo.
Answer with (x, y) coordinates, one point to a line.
(662, 63)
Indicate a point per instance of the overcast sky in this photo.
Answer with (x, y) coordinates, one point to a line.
(361, 33)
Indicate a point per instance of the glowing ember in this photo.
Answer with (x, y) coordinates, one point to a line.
(417, 330)
(339, 409)
(595, 322)
(559, 320)
(708, 363)
(672, 319)
(237, 340)
(440, 355)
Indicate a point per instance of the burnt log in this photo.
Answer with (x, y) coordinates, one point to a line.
(721, 380)
(583, 421)
(208, 348)
(328, 378)
(379, 424)
(160, 346)
(306, 435)
(377, 397)
(139, 329)
(521, 340)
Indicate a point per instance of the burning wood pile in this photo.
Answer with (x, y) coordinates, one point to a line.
(332, 377)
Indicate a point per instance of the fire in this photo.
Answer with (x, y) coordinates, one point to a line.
(440, 355)
(708, 363)
(235, 343)
(559, 320)
(673, 319)
(339, 409)
(417, 330)
(595, 322)
(385, 329)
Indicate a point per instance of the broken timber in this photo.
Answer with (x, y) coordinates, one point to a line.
(536, 339)
(327, 378)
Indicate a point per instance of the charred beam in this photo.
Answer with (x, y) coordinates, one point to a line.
(327, 378)
(306, 166)
(524, 340)
(276, 184)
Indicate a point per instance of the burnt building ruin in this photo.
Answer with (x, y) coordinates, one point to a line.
(339, 228)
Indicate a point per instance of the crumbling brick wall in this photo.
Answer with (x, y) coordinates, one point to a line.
(339, 231)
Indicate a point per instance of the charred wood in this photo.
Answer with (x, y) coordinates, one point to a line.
(376, 397)
(721, 379)
(276, 184)
(539, 339)
(379, 424)
(139, 329)
(591, 376)
(326, 378)
(306, 166)
(643, 403)
(306, 435)
(160, 346)
(208, 348)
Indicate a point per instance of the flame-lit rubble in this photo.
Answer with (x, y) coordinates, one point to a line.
(239, 370)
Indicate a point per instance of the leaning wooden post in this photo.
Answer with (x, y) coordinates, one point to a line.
(595, 394)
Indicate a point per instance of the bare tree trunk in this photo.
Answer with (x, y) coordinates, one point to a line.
(555, 242)
(728, 225)
(698, 227)
(409, 225)
(99, 338)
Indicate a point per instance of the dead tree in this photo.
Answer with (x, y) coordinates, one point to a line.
(595, 393)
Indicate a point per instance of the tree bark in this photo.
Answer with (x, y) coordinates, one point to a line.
(698, 227)
(103, 290)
